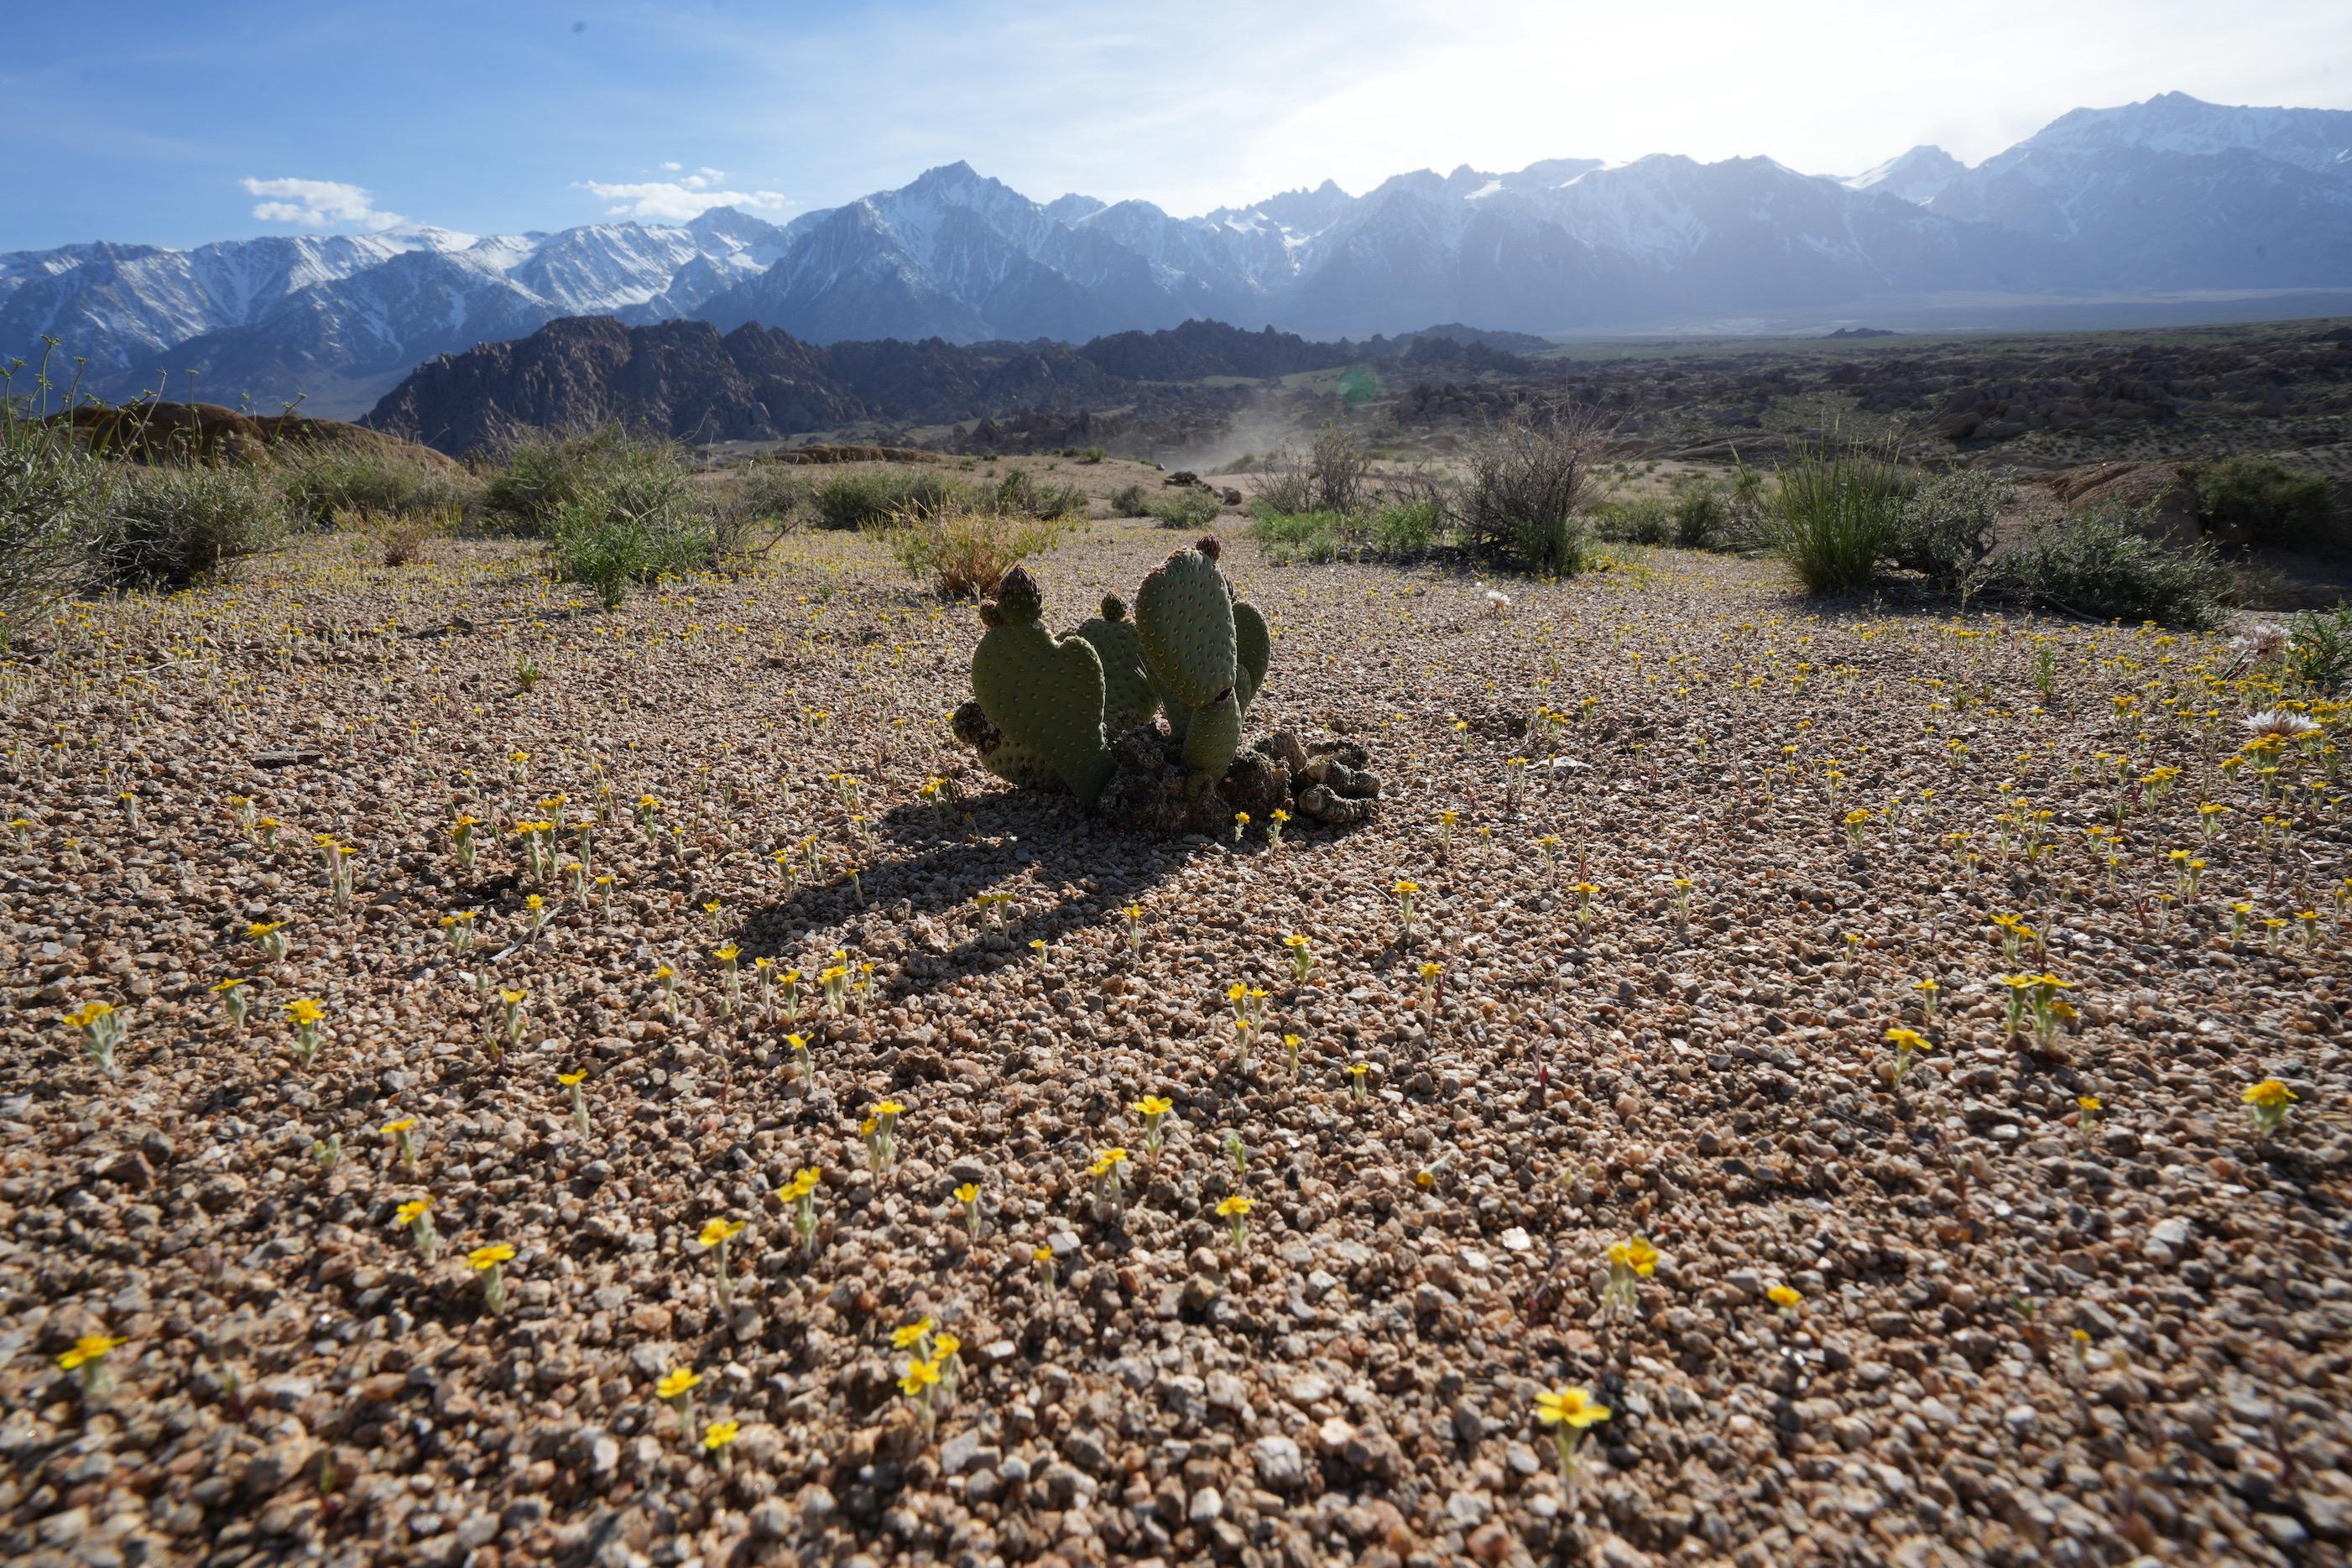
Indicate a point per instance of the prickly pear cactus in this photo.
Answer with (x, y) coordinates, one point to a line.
(1129, 697)
(1253, 649)
(1184, 619)
(1044, 694)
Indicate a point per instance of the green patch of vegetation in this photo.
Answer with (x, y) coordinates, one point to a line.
(609, 538)
(536, 478)
(2270, 503)
(333, 486)
(1945, 531)
(1405, 530)
(1292, 537)
(1130, 501)
(771, 494)
(1702, 516)
(2320, 655)
(867, 500)
(53, 503)
(1190, 507)
(2102, 563)
(1638, 521)
(1019, 494)
(1397, 532)
(1834, 513)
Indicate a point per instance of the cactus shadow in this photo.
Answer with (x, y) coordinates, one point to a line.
(933, 868)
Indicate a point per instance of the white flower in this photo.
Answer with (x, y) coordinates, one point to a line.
(2279, 721)
(2266, 644)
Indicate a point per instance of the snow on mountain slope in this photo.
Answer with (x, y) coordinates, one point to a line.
(2316, 140)
(130, 308)
(1918, 175)
(2178, 194)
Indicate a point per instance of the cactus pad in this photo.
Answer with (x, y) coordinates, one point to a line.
(1008, 759)
(1129, 697)
(1252, 650)
(1184, 619)
(1044, 694)
(1210, 742)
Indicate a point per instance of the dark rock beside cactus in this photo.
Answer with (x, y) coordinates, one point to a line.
(1324, 782)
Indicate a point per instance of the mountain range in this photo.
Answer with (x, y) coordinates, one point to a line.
(2170, 194)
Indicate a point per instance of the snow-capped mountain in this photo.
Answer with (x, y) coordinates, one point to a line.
(273, 316)
(2172, 193)
(2169, 194)
(2317, 140)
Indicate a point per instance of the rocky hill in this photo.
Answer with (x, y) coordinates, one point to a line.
(687, 380)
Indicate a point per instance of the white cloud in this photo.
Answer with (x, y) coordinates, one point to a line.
(317, 204)
(677, 201)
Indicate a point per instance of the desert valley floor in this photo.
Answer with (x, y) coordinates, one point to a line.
(1686, 851)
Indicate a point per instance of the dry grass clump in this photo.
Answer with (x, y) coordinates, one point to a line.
(962, 551)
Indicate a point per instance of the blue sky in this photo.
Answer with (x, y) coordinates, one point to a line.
(178, 123)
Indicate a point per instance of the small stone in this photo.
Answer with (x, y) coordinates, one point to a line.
(771, 1519)
(1281, 1468)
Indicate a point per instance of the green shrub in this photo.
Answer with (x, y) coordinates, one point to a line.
(538, 477)
(852, 500)
(773, 493)
(1019, 494)
(1405, 530)
(1289, 536)
(873, 499)
(608, 539)
(327, 484)
(1701, 517)
(1130, 501)
(169, 527)
(1641, 520)
(52, 505)
(2102, 563)
(2321, 656)
(1190, 507)
(1834, 513)
(1945, 529)
(2270, 502)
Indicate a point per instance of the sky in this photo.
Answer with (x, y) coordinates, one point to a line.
(168, 123)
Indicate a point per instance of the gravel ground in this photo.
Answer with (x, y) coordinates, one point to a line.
(2016, 1337)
